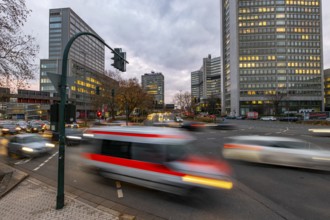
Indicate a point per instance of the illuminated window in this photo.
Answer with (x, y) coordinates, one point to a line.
(280, 29)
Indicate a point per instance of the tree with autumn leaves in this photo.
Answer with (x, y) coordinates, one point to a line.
(122, 95)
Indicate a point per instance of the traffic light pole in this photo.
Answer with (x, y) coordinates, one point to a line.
(61, 151)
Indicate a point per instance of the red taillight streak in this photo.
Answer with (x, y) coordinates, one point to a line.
(242, 147)
(136, 134)
(158, 168)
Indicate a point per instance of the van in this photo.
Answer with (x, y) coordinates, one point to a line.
(160, 158)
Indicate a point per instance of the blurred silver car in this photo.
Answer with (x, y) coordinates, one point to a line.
(278, 151)
(28, 145)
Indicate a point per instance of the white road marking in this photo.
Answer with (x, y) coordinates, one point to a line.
(119, 190)
(43, 163)
(23, 161)
(211, 138)
(120, 193)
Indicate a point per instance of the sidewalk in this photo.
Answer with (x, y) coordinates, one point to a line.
(24, 197)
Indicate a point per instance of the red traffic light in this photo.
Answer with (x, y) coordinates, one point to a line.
(99, 113)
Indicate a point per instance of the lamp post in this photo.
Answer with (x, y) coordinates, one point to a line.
(61, 150)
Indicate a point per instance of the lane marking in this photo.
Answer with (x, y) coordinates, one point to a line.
(43, 163)
(22, 161)
(119, 190)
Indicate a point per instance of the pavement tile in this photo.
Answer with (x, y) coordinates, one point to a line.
(37, 202)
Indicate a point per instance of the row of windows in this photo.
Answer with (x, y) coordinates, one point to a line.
(290, 31)
(279, 57)
(282, 85)
(249, 35)
(47, 88)
(278, 71)
(270, 24)
(280, 51)
(279, 44)
(55, 25)
(279, 64)
(279, 2)
(281, 78)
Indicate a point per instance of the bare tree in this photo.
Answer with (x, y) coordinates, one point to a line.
(131, 95)
(17, 51)
(184, 100)
(276, 97)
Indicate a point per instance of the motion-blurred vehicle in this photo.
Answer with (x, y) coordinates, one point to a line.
(193, 125)
(73, 136)
(320, 131)
(35, 127)
(72, 125)
(28, 145)
(224, 126)
(178, 119)
(155, 157)
(277, 151)
(10, 129)
(22, 125)
(268, 118)
(289, 118)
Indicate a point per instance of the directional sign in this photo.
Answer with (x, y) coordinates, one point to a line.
(56, 79)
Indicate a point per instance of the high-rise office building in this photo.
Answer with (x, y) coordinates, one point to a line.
(205, 82)
(271, 56)
(153, 84)
(85, 60)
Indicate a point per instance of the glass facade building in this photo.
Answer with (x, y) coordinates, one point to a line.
(205, 82)
(271, 53)
(153, 84)
(86, 60)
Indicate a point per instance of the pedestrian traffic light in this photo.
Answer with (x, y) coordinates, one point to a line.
(99, 114)
(119, 58)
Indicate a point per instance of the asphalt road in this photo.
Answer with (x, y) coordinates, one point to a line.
(261, 191)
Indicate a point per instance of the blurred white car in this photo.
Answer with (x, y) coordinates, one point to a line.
(268, 118)
(278, 151)
(28, 145)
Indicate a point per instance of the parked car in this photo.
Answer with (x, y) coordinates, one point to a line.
(268, 118)
(289, 118)
(277, 151)
(28, 145)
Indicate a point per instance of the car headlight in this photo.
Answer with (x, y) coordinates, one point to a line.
(73, 137)
(50, 145)
(5, 129)
(27, 149)
(18, 129)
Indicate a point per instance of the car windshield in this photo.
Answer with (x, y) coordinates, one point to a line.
(32, 139)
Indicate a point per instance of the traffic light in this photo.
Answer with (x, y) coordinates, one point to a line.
(97, 90)
(99, 114)
(119, 58)
(113, 92)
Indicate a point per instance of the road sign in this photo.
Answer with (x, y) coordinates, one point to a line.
(56, 79)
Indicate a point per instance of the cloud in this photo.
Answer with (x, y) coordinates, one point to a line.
(168, 36)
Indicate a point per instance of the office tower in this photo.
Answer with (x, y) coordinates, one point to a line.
(85, 60)
(271, 56)
(205, 82)
(153, 83)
